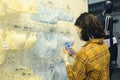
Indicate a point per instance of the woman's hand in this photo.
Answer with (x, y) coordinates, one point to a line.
(66, 54)
(65, 51)
(73, 52)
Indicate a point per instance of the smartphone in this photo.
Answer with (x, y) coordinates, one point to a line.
(67, 46)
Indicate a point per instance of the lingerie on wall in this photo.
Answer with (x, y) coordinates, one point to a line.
(31, 48)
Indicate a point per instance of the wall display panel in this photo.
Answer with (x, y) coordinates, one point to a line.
(32, 36)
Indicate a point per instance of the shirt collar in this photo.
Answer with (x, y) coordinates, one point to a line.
(97, 41)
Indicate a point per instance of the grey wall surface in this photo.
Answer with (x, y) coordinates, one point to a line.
(116, 30)
(94, 1)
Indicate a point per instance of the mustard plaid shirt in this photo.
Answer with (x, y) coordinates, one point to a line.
(91, 62)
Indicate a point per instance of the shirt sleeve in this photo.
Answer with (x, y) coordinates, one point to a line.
(77, 71)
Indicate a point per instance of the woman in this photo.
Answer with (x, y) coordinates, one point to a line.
(92, 61)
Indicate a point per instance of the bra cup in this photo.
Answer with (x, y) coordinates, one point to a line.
(8, 39)
(2, 56)
(2, 52)
(18, 41)
(31, 8)
(14, 5)
(31, 41)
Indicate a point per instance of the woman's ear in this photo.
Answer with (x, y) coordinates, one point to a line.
(78, 29)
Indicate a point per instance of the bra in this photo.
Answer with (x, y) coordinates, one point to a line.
(10, 40)
(31, 41)
(16, 5)
(16, 41)
(7, 6)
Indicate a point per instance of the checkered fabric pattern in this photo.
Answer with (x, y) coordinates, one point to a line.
(91, 62)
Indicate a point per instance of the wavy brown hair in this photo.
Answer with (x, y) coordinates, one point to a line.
(90, 27)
